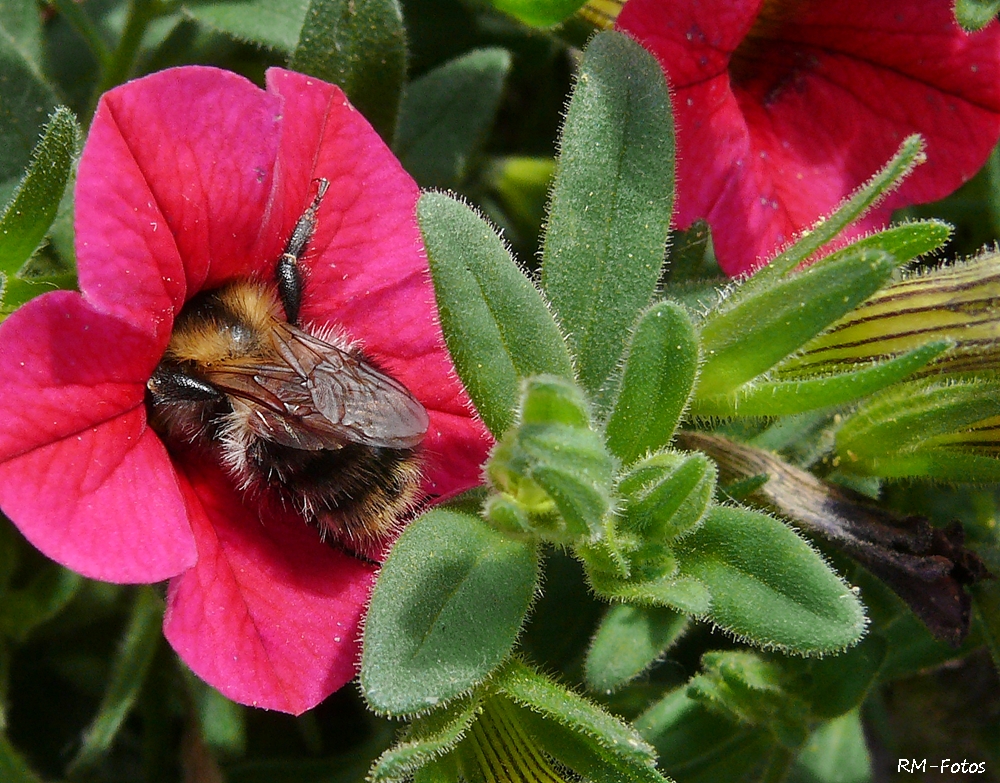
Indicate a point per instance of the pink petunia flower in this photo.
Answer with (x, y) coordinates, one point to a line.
(190, 178)
(784, 108)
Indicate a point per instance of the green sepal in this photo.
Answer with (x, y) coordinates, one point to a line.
(540, 13)
(975, 14)
(628, 641)
(361, 46)
(910, 154)
(909, 424)
(935, 464)
(446, 115)
(656, 383)
(427, 738)
(276, 24)
(696, 744)
(577, 733)
(553, 461)
(611, 202)
(31, 210)
(447, 607)
(768, 586)
(751, 690)
(666, 495)
(128, 676)
(497, 325)
(683, 593)
(787, 397)
(740, 342)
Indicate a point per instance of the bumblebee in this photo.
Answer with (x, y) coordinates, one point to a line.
(293, 412)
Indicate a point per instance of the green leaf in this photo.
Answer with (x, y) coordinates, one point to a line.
(752, 690)
(742, 341)
(576, 732)
(21, 28)
(28, 215)
(784, 398)
(427, 738)
(27, 101)
(628, 641)
(223, 722)
(495, 322)
(361, 46)
(446, 115)
(935, 464)
(611, 202)
(836, 753)
(275, 24)
(975, 14)
(656, 384)
(835, 685)
(540, 13)
(18, 290)
(522, 186)
(128, 674)
(768, 585)
(695, 744)
(48, 592)
(13, 767)
(446, 609)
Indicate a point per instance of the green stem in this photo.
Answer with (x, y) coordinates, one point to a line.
(78, 19)
(120, 62)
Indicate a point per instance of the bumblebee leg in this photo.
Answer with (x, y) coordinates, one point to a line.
(287, 271)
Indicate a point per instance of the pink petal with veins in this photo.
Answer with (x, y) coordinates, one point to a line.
(270, 614)
(172, 190)
(80, 474)
(784, 109)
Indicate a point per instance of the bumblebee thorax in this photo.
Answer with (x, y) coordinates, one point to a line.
(227, 323)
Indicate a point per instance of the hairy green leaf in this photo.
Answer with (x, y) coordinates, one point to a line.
(446, 114)
(496, 323)
(611, 202)
(628, 641)
(656, 384)
(359, 45)
(768, 585)
(447, 607)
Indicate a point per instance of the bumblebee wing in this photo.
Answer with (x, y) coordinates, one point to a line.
(317, 396)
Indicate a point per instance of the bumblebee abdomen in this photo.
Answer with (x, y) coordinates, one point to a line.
(357, 491)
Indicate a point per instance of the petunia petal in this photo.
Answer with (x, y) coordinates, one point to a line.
(366, 269)
(172, 189)
(784, 109)
(269, 615)
(80, 474)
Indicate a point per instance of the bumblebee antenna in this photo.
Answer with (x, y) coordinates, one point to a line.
(287, 271)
